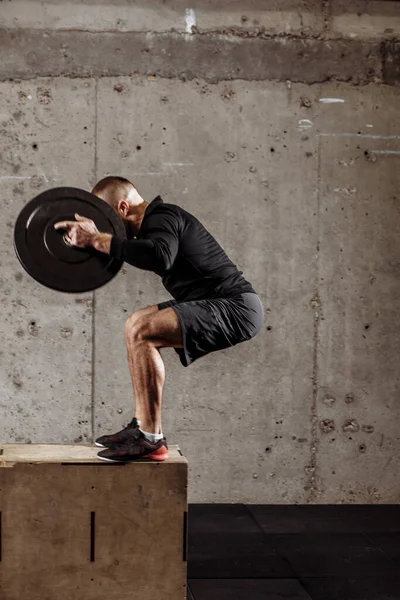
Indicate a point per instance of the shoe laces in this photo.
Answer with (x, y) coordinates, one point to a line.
(133, 424)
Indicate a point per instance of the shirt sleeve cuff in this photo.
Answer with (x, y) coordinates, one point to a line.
(117, 248)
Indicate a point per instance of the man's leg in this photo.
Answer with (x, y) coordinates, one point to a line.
(146, 332)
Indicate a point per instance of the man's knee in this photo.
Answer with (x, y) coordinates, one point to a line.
(137, 328)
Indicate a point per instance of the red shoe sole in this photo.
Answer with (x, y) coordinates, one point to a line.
(160, 454)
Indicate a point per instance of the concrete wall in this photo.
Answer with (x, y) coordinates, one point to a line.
(280, 130)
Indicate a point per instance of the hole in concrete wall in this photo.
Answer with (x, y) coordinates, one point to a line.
(367, 326)
(35, 146)
(138, 147)
(368, 428)
(272, 149)
(269, 327)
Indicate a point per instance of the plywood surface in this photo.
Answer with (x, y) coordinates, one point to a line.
(64, 453)
(75, 527)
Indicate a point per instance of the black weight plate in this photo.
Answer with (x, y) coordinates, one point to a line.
(43, 251)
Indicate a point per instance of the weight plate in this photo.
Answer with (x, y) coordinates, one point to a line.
(44, 251)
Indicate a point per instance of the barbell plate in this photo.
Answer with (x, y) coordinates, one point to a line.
(44, 252)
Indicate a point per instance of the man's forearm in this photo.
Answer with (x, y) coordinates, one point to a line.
(102, 242)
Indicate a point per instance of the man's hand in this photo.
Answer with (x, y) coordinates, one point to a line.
(80, 233)
(83, 233)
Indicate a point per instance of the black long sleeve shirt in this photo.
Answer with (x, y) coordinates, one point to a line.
(175, 245)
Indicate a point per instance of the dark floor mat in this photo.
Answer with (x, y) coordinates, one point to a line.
(389, 543)
(234, 556)
(248, 589)
(332, 555)
(355, 588)
(326, 518)
(221, 518)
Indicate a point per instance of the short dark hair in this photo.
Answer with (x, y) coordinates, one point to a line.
(111, 181)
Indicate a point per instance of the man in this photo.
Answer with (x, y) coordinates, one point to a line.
(214, 307)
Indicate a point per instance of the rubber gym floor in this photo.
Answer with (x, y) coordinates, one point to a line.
(302, 552)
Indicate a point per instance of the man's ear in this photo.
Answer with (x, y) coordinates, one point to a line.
(123, 207)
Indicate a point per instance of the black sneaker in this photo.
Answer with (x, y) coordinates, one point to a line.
(137, 447)
(122, 437)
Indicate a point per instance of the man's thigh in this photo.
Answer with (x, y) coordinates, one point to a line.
(215, 324)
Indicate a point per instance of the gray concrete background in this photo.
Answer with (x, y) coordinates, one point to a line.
(355, 19)
(294, 171)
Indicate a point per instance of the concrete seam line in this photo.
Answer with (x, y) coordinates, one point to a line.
(212, 58)
(223, 32)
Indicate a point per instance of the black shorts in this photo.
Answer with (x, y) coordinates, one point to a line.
(210, 325)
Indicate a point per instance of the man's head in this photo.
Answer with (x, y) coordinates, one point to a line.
(122, 195)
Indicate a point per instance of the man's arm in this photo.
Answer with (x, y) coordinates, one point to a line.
(156, 252)
(102, 242)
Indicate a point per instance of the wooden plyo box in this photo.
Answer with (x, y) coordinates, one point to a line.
(73, 527)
